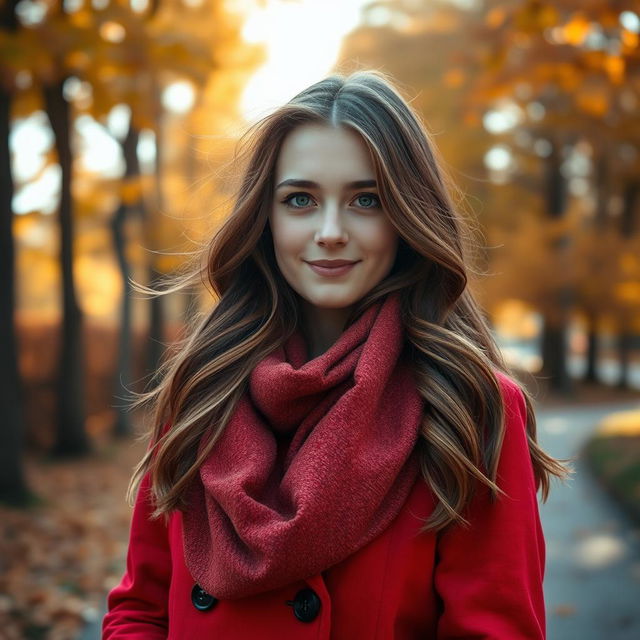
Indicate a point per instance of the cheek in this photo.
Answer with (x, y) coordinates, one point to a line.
(383, 240)
(287, 237)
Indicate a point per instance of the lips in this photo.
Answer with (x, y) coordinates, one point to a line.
(331, 263)
(336, 268)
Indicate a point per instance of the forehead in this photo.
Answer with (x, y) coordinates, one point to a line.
(324, 153)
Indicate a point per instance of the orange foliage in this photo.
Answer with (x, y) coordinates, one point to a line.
(614, 66)
(593, 100)
(536, 16)
(38, 347)
(576, 29)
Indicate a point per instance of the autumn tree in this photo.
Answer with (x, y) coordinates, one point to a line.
(572, 69)
(139, 55)
(117, 56)
(13, 487)
(566, 75)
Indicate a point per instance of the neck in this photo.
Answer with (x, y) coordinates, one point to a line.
(322, 327)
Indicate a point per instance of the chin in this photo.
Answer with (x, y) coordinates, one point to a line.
(331, 302)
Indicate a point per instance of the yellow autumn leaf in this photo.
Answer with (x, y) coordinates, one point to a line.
(614, 66)
(576, 30)
(629, 39)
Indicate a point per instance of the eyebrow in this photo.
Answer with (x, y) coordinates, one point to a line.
(310, 184)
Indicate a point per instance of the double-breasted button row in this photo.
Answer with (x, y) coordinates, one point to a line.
(202, 600)
(306, 604)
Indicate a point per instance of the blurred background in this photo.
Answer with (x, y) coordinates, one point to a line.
(118, 121)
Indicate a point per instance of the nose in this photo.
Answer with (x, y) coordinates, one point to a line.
(331, 228)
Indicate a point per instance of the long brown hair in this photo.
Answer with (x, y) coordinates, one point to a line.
(452, 349)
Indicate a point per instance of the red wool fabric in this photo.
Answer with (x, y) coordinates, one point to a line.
(316, 461)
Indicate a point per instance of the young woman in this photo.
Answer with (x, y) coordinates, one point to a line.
(338, 449)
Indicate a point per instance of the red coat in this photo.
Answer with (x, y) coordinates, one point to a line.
(484, 582)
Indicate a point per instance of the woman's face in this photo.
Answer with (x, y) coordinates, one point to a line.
(318, 214)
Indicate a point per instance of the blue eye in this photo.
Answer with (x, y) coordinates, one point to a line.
(371, 200)
(370, 196)
(289, 198)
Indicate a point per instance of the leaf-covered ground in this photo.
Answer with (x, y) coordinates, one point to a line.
(58, 557)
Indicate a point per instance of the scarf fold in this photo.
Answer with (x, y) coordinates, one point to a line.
(316, 461)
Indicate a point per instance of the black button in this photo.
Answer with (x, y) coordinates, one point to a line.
(202, 600)
(306, 605)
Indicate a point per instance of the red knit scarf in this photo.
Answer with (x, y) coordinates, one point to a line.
(268, 510)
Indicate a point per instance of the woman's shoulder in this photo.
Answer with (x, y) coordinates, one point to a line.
(513, 398)
(511, 389)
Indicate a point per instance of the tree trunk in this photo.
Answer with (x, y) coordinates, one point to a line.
(192, 294)
(624, 351)
(629, 209)
(13, 487)
(554, 350)
(602, 189)
(71, 438)
(556, 184)
(555, 331)
(155, 342)
(591, 373)
(124, 375)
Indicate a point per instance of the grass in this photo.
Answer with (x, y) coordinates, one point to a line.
(613, 454)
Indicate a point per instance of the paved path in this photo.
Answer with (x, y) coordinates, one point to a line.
(592, 580)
